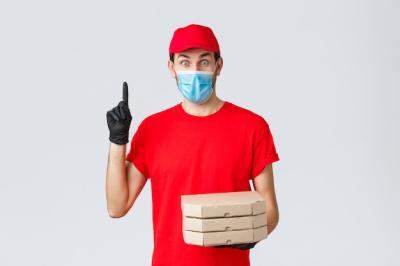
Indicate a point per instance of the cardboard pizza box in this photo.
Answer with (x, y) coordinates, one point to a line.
(225, 237)
(224, 224)
(214, 219)
(226, 204)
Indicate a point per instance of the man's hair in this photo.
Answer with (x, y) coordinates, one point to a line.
(217, 55)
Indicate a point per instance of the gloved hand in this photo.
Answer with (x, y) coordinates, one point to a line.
(119, 119)
(243, 246)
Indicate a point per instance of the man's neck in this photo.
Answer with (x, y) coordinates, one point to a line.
(207, 108)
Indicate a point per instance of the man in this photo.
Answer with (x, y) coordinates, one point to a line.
(201, 145)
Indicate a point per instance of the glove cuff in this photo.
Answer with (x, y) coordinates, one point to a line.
(119, 140)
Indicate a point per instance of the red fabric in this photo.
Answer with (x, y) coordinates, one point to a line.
(186, 154)
(193, 36)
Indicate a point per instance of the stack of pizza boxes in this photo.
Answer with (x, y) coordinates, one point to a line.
(228, 218)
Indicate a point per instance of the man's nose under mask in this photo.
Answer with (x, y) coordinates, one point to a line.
(196, 86)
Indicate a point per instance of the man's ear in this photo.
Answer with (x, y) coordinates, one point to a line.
(171, 68)
(220, 63)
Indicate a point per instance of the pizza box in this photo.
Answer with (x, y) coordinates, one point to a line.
(226, 204)
(225, 237)
(224, 224)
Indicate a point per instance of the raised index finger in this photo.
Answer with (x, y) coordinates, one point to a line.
(125, 92)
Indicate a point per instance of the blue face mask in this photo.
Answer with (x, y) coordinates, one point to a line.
(196, 86)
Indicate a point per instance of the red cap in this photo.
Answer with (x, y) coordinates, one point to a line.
(193, 36)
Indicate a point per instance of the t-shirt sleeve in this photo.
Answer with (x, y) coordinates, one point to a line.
(137, 151)
(264, 151)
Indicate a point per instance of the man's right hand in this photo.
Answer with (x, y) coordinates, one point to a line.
(119, 119)
(243, 246)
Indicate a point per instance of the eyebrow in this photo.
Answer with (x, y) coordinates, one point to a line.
(205, 54)
(183, 55)
(202, 55)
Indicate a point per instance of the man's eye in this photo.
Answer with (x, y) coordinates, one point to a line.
(204, 62)
(184, 63)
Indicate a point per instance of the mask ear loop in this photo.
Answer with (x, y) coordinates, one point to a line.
(176, 75)
(214, 80)
(173, 64)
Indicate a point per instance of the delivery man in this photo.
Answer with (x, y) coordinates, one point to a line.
(200, 145)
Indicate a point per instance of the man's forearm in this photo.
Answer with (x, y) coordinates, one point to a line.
(272, 217)
(116, 183)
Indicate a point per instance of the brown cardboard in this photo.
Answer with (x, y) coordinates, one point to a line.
(224, 224)
(228, 204)
(226, 237)
(213, 219)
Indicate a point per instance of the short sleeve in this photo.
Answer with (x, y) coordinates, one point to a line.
(136, 154)
(263, 152)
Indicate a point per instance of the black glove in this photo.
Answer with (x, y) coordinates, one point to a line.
(243, 246)
(119, 119)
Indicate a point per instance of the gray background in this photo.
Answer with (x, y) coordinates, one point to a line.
(324, 74)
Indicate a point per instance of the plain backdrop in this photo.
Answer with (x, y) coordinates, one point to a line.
(324, 74)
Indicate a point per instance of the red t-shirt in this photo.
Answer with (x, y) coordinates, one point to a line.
(187, 154)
